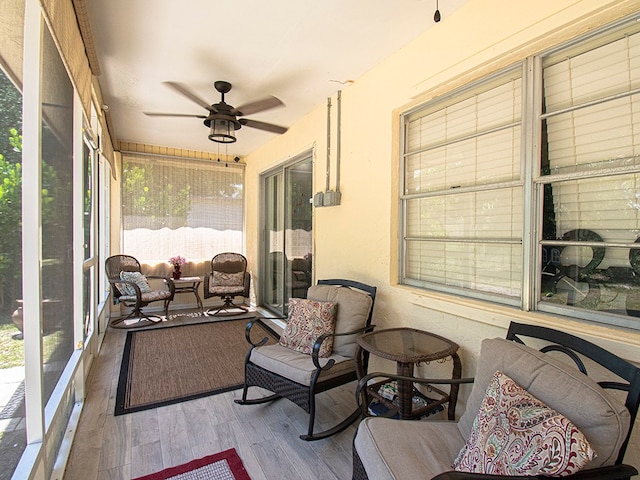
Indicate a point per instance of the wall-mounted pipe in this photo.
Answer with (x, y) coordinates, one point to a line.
(338, 142)
(328, 170)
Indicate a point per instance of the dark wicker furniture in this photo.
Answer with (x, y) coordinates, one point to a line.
(619, 376)
(406, 347)
(321, 372)
(228, 279)
(116, 264)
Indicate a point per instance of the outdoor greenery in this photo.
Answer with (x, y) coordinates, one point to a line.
(169, 208)
(10, 194)
(11, 345)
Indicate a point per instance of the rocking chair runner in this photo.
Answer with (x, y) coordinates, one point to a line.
(603, 406)
(299, 377)
(130, 287)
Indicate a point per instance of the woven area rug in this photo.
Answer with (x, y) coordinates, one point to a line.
(225, 465)
(166, 365)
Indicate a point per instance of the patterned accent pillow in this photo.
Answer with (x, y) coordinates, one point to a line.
(228, 279)
(514, 433)
(138, 279)
(308, 319)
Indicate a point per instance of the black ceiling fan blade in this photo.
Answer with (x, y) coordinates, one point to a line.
(154, 114)
(269, 127)
(258, 106)
(184, 91)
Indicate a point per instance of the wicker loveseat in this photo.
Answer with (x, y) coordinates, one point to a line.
(603, 411)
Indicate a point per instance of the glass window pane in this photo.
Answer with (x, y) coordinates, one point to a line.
(288, 222)
(469, 238)
(487, 267)
(596, 137)
(491, 214)
(606, 205)
(572, 278)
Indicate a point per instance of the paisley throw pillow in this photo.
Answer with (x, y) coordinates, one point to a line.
(514, 433)
(308, 319)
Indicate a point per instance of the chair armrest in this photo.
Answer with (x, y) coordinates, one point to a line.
(316, 346)
(613, 472)
(247, 331)
(363, 399)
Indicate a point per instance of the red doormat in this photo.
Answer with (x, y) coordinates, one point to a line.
(225, 465)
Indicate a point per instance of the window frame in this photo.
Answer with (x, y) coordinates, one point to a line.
(532, 180)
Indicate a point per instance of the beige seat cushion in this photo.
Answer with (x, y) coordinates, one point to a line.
(602, 419)
(297, 366)
(353, 311)
(407, 449)
(394, 449)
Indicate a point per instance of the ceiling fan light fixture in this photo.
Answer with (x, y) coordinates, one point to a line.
(222, 131)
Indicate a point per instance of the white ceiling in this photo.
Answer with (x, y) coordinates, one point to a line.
(301, 51)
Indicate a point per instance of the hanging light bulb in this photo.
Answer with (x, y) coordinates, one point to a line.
(436, 16)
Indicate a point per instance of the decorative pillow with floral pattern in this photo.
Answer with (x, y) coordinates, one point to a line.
(308, 319)
(514, 433)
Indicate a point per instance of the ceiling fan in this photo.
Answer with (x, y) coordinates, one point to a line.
(222, 119)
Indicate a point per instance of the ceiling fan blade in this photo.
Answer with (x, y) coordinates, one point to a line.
(258, 106)
(153, 114)
(269, 127)
(182, 90)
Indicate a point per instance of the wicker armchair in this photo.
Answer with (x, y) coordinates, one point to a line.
(228, 279)
(603, 406)
(130, 287)
(297, 376)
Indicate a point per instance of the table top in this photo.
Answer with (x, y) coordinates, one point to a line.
(188, 280)
(407, 345)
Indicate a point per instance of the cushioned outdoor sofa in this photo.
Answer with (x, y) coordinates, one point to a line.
(548, 418)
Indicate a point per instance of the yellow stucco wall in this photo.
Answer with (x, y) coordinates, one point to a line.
(358, 239)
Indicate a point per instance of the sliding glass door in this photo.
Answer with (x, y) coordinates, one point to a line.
(287, 239)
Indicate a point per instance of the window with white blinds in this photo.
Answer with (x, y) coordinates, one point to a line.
(590, 168)
(463, 190)
(471, 190)
(179, 206)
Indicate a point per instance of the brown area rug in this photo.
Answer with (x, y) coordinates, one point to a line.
(162, 366)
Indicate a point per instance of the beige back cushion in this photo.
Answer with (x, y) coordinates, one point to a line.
(602, 419)
(353, 311)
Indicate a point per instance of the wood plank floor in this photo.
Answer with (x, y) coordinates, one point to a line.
(265, 436)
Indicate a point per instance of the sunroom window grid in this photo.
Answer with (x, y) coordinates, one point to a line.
(472, 145)
(591, 168)
(606, 71)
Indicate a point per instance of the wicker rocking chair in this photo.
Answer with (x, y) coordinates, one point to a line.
(299, 377)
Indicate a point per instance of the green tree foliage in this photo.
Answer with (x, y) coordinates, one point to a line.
(10, 193)
(169, 204)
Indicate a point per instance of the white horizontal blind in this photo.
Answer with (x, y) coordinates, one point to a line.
(180, 206)
(462, 192)
(592, 101)
(591, 107)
